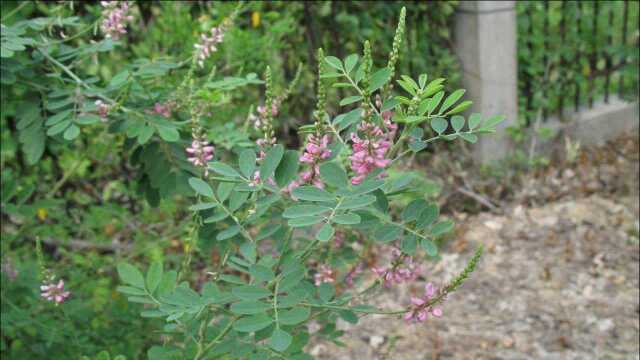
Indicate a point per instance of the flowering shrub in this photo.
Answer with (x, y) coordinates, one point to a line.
(287, 223)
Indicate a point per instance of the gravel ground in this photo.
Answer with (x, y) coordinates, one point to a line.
(558, 280)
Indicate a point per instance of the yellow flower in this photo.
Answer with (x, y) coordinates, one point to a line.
(255, 19)
(42, 213)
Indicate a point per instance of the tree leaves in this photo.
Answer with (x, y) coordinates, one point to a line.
(129, 274)
(271, 161)
(252, 323)
(201, 187)
(311, 193)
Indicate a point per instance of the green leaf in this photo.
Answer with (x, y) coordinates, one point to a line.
(71, 133)
(224, 190)
(434, 102)
(297, 211)
(58, 117)
(294, 316)
(229, 232)
(474, 120)
(350, 62)
(346, 219)
(357, 202)
(442, 227)
(202, 206)
(439, 125)
(348, 316)
(249, 251)
(201, 187)
(271, 161)
(305, 221)
(146, 132)
(472, 138)
(457, 122)
(379, 78)
(280, 340)
(129, 290)
(451, 99)
(409, 244)
(250, 292)
(154, 276)
(326, 292)
(249, 307)
(326, 233)
(169, 134)
(129, 274)
(334, 62)
(333, 174)
(168, 282)
(350, 100)
(367, 186)
(261, 273)
(252, 323)
(311, 193)
(428, 215)
(429, 246)
(412, 211)
(247, 162)
(58, 128)
(460, 107)
(223, 169)
(287, 170)
(491, 122)
(387, 233)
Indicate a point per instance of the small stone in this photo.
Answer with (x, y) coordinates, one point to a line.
(376, 340)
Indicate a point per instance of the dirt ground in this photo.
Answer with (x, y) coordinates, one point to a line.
(559, 279)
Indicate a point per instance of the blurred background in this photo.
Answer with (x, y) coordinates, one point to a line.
(553, 196)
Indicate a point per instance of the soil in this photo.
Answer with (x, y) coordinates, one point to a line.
(559, 278)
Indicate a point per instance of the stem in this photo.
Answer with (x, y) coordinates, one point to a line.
(64, 179)
(14, 11)
(223, 333)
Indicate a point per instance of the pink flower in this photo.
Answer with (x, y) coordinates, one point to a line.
(115, 18)
(324, 275)
(200, 152)
(402, 269)
(102, 109)
(316, 150)
(421, 307)
(351, 275)
(162, 109)
(369, 152)
(207, 45)
(54, 292)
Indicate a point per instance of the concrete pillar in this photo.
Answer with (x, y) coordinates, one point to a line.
(485, 40)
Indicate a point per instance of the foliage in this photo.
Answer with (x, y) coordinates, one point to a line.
(243, 248)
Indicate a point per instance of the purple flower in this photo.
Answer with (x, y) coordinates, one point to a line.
(324, 275)
(316, 150)
(369, 151)
(207, 45)
(200, 152)
(115, 18)
(402, 269)
(54, 291)
(421, 307)
(102, 109)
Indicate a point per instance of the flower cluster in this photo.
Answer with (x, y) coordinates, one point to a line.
(207, 45)
(402, 269)
(200, 152)
(369, 151)
(353, 273)
(53, 291)
(114, 18)
(102, 109)
(422, 306)
(162, 109)
(324, 275)
(260, 120)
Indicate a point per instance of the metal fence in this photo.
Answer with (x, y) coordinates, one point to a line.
(572, 53)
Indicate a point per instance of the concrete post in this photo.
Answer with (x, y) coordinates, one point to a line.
(485, 38)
